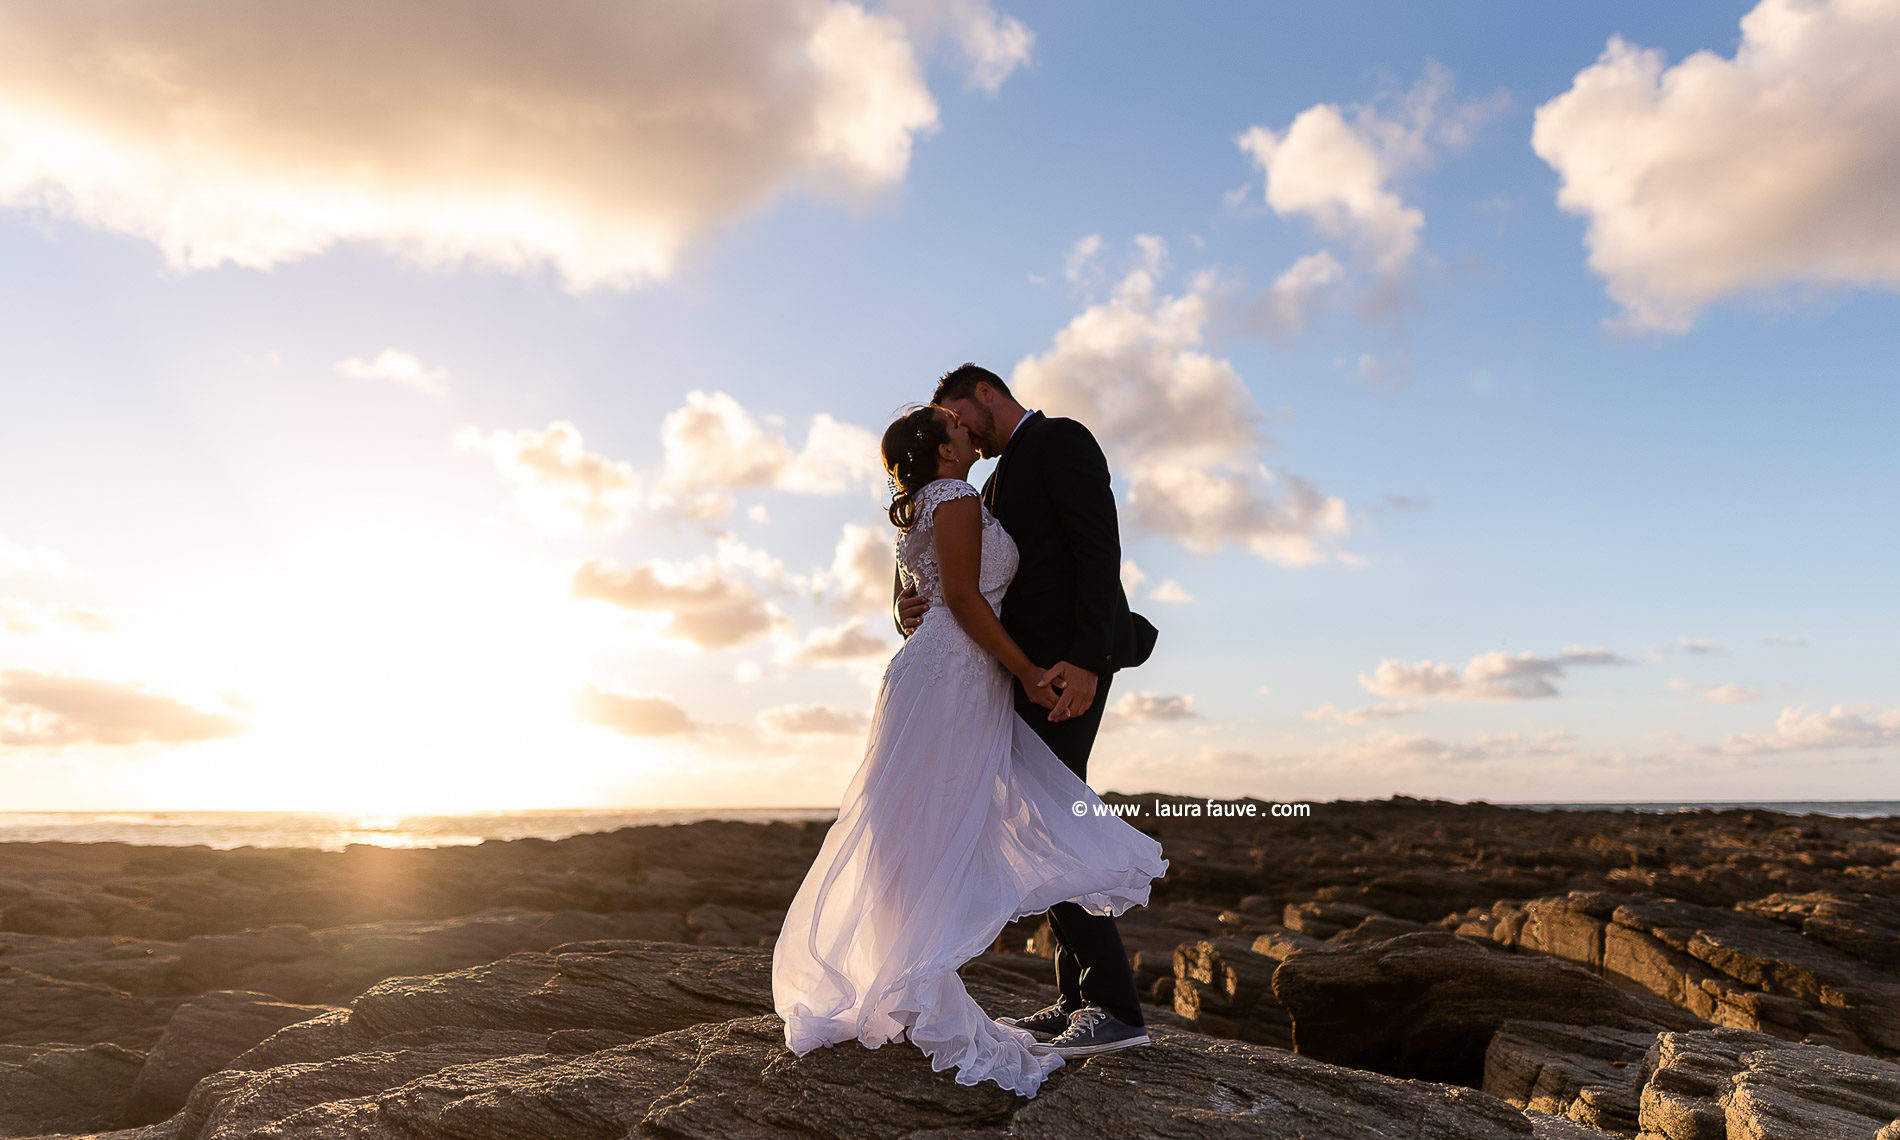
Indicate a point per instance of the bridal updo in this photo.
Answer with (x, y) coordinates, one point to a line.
(910, 457)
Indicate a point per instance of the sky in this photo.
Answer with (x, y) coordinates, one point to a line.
(465, 406)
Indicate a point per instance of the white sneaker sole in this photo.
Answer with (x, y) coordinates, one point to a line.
(1072, 1051)
(1040, 1037)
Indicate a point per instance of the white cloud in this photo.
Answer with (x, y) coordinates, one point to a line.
(1731, 694)
(1081, 263)
(1181, 430)
(596, 137)
(1700, 645)
(1494, 676)
(49, 710)
(849, 642)
(634, 714)
(1149, 708)
(799, 720)
(1366, 713)
(697, 602)
(1132, 576)
(1170, 591)
(1683, 685)
(558, 482)
(1718, 176)
(1298, 294)
(16, 559)
(1337, 167)
(1843, 726)
(1789, 639)
(989, 45)
(394, 366)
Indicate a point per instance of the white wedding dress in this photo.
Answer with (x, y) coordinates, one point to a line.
(959, 820)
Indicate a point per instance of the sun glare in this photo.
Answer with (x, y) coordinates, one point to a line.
(385, 671)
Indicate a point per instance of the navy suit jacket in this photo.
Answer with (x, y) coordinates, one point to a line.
(1051, 492)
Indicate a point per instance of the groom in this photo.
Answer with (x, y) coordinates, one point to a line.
(1066, 608)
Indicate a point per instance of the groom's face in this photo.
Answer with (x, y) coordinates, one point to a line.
(981, 425)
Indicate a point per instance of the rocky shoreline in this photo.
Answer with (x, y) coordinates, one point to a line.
(1396, 967)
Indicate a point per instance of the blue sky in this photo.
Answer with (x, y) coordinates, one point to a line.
(273, 535)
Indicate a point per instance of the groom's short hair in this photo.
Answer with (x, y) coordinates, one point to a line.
(960, 383)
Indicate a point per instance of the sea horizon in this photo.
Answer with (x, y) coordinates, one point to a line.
(227, 829)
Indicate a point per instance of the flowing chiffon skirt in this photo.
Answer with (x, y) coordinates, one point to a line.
(958, 821)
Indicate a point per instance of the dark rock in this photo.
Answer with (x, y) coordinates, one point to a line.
(205, 1035)
(1426, 1005)
(37, 1009)
(1592, 1075)
(64, 1088)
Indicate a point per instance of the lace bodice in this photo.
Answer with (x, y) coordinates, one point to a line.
(917, 549)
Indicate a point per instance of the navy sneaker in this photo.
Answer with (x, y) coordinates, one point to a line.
(1093, 1030)
(1043, 1024)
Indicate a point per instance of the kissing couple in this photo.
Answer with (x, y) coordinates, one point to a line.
(970, 809)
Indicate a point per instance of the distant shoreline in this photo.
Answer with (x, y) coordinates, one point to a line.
(335, 830)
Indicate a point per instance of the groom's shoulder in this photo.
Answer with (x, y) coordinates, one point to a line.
(1067, 432)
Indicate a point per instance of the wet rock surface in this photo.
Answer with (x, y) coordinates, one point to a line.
(1557, 974)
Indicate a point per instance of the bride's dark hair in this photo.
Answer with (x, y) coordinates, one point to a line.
(910, 456)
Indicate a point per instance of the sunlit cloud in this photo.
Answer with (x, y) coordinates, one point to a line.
(394, 366)
(712, 446)
(1843, 726)
(1731, 694)
(1723, 175)
(851, 642)
(1494, 676)
(860, 578)
(813, 720)
(23, 617)
(697, 602)
(634, 714)
(1180, 428)
(558, 482)
(1150, 708)
(1170, 591)
(598, 138)
(1365, 714)
(49, 710)
(19, 559)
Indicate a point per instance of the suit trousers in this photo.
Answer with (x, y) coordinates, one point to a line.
(1091, 963)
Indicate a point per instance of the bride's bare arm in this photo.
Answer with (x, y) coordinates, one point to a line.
(959, 537)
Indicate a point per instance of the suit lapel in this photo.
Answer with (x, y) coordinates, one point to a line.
(993, 487)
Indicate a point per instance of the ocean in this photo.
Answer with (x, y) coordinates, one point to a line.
(333, 831)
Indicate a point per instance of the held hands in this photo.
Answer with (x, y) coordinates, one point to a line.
(1076, 686)
(911, 609)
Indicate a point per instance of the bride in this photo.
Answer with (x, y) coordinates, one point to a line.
(959, 820)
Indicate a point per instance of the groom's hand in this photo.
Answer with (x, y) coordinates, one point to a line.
(1077, 686)
(910, 610)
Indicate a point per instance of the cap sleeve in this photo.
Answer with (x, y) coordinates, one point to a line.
(938, 493)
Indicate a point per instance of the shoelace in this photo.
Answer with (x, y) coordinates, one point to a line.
(1085, 1022)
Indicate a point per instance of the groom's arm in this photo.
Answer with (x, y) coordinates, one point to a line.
(1084, 502)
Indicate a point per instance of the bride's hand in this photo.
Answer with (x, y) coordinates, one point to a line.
(1038, 692)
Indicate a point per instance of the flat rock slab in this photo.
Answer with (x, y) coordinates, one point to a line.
(735, 1080)
(1426, 1005)
(637, 988)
